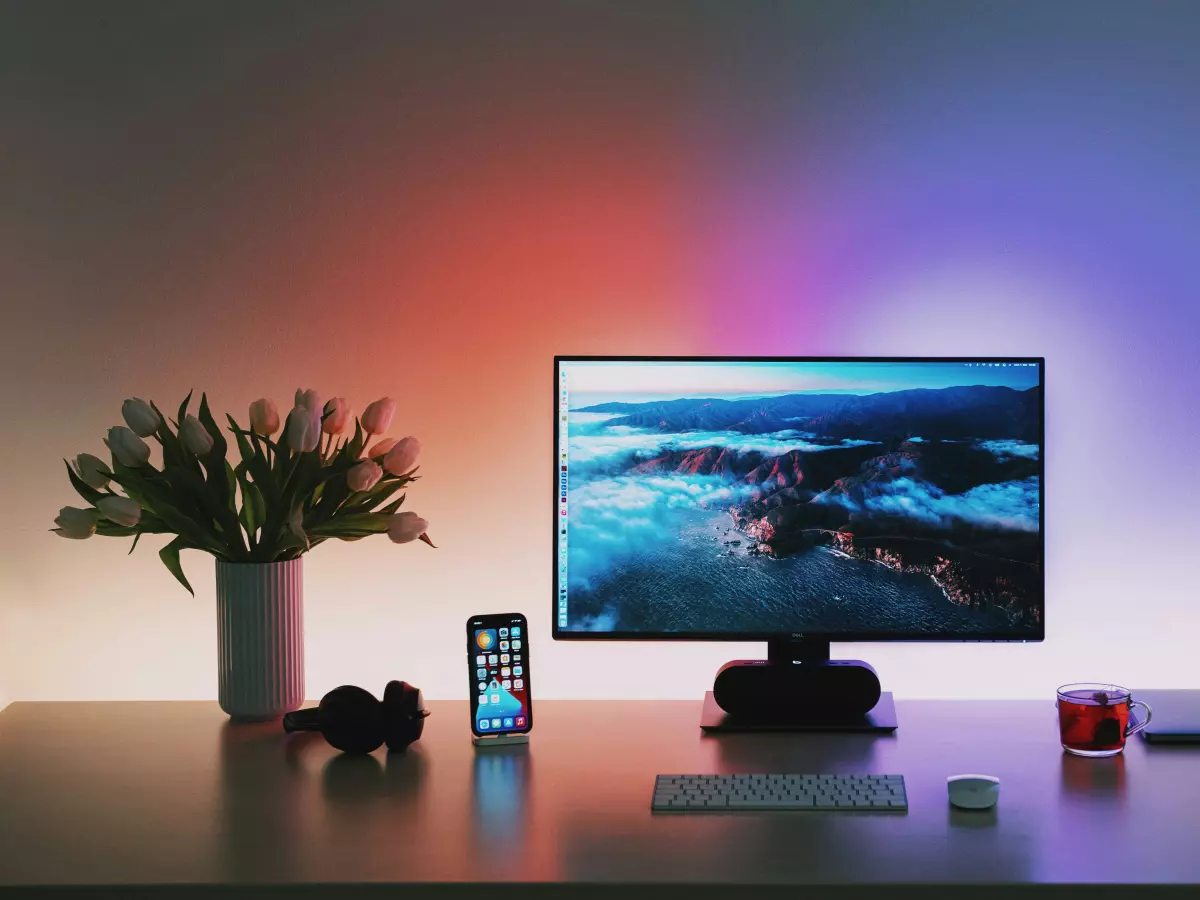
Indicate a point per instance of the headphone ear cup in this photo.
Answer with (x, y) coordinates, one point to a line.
(352, 719)
(404, 719)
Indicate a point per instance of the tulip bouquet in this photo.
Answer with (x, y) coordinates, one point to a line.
(274, 500)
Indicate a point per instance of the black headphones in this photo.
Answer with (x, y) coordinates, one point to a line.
(351, 719)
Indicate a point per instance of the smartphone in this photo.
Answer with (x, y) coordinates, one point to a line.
(498, 673)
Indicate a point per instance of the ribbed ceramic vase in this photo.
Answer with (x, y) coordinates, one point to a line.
(260, 638)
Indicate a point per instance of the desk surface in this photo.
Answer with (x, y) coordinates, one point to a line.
(172, 793)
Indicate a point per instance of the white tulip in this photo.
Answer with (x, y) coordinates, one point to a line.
(401, 459)
(121, 510)
(92, 471)
(406, 526)
(377, 417)
(129, 449)
(364, 476)
(76, 524)
(302, 435)
(380, 448)
(309, 399)
(337, 416)
(195, 436)
(264, 417)
(140, 417)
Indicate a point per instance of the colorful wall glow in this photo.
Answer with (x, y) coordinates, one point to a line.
(429, 201)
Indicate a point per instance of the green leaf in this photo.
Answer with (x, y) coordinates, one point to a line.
(254, 508)
(258, 467)
(137, 537)
(392, 508)
(244, 447)
(220, 446)
(381, 493)
(295, 528)
(335, 492)
(161, 497)
(173, 454)
(105, 528)
(170, 557)
(352, 526)
(231, 487)
(85, 490)
(354, 447)
(183, 407)
(220, 482)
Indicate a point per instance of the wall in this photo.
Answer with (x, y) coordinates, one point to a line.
(430, 200)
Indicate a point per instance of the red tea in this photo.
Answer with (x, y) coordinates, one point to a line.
(1093, 721)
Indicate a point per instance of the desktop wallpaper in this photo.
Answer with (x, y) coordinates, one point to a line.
(888, 498)
(430, 201)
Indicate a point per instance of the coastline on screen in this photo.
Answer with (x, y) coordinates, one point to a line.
(899, 499)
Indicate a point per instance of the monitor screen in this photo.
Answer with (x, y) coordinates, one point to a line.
(853, 499)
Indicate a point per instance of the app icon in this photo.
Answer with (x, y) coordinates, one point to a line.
(516, 657)
(483, 685)
(520, 720)
(503, 658)
(504, 645)
(495, 723)
(503, 632)
(516, 645)
(505, 673)
(485, 638)
(516, 632)
(506, 684)
(481, 673)
(494, 686)
(481, 660)
(518, 670)
(495, 698)
(493, 659)
(483, 699)
(519, 684)
(508, 722)
(484, 724)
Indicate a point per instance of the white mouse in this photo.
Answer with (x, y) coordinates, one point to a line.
(973, 791)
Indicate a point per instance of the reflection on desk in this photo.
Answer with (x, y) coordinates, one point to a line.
(203, 801)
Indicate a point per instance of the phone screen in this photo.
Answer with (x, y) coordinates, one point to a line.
(498, 667)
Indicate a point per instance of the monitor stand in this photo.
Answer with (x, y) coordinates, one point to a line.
(800, 668)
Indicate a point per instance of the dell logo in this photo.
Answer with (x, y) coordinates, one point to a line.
(797, 634)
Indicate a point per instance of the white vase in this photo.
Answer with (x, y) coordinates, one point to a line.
(260, 638)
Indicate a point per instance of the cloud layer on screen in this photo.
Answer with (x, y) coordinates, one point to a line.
(1008, 449)
(613, 518)
(614, 441)
(1011, 505)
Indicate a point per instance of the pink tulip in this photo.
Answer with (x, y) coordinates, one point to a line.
(402, 458)
(364, 476)
(380, 448)
(378, 416)
(264, 417)
(337, 416)
(405, 527)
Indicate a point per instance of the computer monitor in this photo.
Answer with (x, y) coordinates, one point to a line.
(827, 499)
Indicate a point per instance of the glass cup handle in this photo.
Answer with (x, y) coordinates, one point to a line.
(1134, 729)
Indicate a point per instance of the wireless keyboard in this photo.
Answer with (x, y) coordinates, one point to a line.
(701, 793)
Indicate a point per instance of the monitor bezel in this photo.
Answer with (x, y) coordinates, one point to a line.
(831, 636)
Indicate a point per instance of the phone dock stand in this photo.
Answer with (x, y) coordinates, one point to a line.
(500, 740)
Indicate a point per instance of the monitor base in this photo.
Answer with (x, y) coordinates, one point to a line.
(880, 720)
